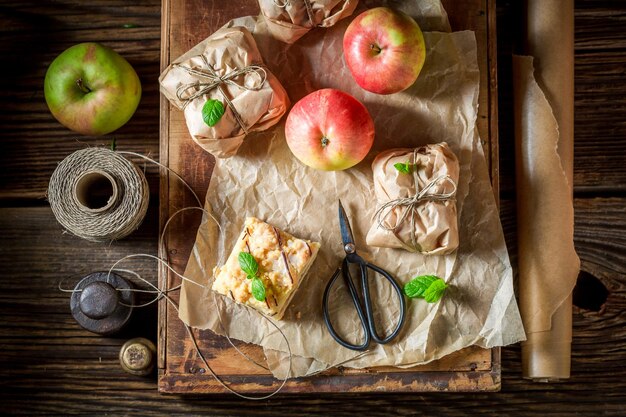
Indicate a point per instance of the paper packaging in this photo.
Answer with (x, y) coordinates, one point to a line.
(427, 224)
(256, 96)
(289, 20)
(265, 180)
(544, 123)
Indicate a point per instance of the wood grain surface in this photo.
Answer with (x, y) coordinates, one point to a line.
(181, 370)
(48, 365)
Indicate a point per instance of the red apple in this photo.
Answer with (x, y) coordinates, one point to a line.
(384, 50)
(329, 130)
(91, 89)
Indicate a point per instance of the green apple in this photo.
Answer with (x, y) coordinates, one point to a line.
(91, 89)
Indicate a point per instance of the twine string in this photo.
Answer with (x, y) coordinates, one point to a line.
(411, 203)
(165, 293)
(114, 221)
(307, 4)
(187, 93)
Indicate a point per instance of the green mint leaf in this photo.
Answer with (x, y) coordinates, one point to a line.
(435, 291)
(248, 264)
(113, 144)
(258, 289)
(416, 287)
(420, 287)
(405, 168)
(212, 112)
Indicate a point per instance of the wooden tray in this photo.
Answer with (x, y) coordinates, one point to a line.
(184, 24)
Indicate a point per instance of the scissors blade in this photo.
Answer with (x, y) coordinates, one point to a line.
(346, 231)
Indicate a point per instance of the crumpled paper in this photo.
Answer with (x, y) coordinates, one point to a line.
(257, 96)
(289, 20)
(265, 180)
(428, 225)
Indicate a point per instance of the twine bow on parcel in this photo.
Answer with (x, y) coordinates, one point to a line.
(215, 81)
(411, 203)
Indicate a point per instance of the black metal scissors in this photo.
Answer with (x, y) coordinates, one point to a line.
(362, 304)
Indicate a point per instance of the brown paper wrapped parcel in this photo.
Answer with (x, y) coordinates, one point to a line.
(416, 209)
(289, 20)
(227, 67)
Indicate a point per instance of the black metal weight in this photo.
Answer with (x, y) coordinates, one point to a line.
(100, 304)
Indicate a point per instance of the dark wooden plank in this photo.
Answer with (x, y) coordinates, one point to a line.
(32, 136)
(44, 351)
(32, 35)
(49, 365)
(466, 17)
(600, 95)
(600, 129)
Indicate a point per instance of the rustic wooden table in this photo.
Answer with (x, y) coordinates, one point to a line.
(49, 365)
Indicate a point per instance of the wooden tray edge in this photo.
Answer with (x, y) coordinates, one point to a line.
(390, 382)
(163, 274)
(492, 64)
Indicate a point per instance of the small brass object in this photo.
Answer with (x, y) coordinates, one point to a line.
(137, 356)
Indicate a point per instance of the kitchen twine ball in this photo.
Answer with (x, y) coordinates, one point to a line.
(98, 195)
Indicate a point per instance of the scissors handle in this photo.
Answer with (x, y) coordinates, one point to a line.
(366, 314)
(357, 304)
(368, 303)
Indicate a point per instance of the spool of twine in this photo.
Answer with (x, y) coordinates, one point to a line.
(98, 195)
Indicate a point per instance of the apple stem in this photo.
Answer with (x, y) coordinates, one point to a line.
(375, 48)
(325, 141)
(82, 86)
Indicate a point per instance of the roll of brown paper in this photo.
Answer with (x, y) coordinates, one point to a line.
(544, 125)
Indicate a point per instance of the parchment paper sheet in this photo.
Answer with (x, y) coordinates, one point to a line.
(265, 180)
(544, 116)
